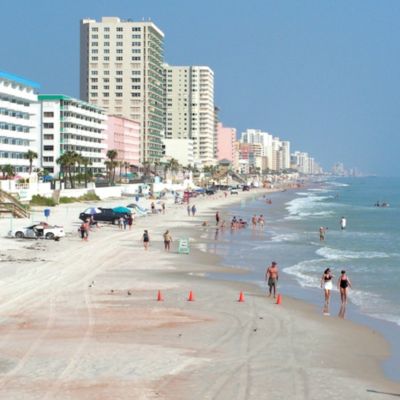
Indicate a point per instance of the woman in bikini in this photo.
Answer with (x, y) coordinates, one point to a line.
(326, 284)
(343, 284)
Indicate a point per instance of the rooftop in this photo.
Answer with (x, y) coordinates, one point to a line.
(19, 79)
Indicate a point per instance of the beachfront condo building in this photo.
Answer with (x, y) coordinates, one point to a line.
(123, 136)
(226, 138)
(256, 136)
(19, 123)
(121, 71)
(181, 150)
(189, 109)
(70, 124)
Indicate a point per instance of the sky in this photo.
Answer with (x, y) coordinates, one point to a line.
(323, 74)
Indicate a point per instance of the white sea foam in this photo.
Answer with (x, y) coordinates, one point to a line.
(311, 279)
(309, 206)
(336, 254)
(285, 237)
(339, 184)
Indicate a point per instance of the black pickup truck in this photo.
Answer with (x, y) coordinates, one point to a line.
(106, 215)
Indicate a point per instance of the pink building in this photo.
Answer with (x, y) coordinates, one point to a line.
(123, 135)
(226, 139)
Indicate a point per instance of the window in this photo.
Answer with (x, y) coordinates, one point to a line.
(94, 72)
(135, 79)
(106, 72)
(136, 29)
(136, 43)
(95, 51)
(95, 36)
(48, 125)
(119, 72)
(120, 36)
(136, 87)
(106, 29)
(119, 58)
(48, 137)
(106, 36)
(136, 51)
(136, 36)
(118, 94)
(93, 94)
(94, 87)
(106, 80)
(106, 51)
(135, 72)
(118, 88)
(95, 44)
(119, 29)
(105, 94)
(118, 79)
(95, 29)
(95, 58)
(119, 43)
(120, 51)
(48, 148)
(135, 58)
(106, 58)
(135, 94)
(106, 87)
(48, 114)
(106, 44)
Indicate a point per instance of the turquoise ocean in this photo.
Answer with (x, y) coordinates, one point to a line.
(368, 249)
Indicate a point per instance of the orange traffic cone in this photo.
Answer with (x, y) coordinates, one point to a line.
(241, 297)
(159, 296)
(279, 299)
(191, 296)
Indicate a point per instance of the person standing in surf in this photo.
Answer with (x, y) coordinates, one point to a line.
(343, 285)
(343, 223)
(326, 284)
(322, 232)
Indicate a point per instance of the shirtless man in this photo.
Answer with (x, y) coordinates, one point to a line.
(272, 276)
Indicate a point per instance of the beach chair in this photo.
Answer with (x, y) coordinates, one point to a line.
(183, 247)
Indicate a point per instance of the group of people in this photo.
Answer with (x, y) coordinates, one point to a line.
(323, 230)
(258, 221)
(343, 284)
(125, 221)
(238, 223)
(166, 236)
(86, 227)
(191, 210)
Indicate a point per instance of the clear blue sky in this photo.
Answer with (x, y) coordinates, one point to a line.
(322, 74)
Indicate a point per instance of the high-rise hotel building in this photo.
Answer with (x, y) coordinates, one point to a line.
(121, 71)
(19, 122)
(189, 109)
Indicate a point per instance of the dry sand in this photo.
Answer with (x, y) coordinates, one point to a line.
(80, 320)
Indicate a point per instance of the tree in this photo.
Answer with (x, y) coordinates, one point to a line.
(112, 155)
(85, 162)
(8, 171)
(67, 162)
(30, 155)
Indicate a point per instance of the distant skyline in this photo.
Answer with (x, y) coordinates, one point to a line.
(324, 75)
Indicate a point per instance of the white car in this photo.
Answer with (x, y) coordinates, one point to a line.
(36, 231)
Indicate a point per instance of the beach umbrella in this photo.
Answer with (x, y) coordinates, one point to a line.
(122, 209)
(92, 211)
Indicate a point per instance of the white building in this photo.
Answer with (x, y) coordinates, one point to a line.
(69, 124)
(181, 150)
(19, 121)
(256, 136)
(189, 109)
(121, 71)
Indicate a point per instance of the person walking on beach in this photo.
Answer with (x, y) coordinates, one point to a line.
(84, 230)
(167, 240)
(322, 232)
(188, 210)
(163, 207)
(326, 284)
(343, 223)
(272, 276)
(146, 239)
(194, 210)
(120, 222)
(343, 285)
(130, 221)
(254, 221)
(217, 218)
(261, 221)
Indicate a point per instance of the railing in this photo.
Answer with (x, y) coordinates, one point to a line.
(13, 205)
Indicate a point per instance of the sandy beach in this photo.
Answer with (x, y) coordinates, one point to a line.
(81, 320)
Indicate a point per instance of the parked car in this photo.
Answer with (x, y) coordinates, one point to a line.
(234, 191)
(210, 191)
(41, 230)
(246, 188)
(105, 215)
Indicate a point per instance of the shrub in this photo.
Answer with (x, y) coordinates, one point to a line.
(38, 200)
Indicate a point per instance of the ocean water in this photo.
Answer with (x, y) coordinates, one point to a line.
(368, 249)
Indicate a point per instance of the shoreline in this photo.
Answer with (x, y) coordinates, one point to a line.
(213, 346)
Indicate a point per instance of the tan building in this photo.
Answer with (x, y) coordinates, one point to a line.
(189, 109)
(121, 71)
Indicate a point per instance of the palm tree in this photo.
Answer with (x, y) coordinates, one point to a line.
(126, 165)
(30, 155)
(85, 162)
(67, 163)
(112, 155)
(8, 171)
